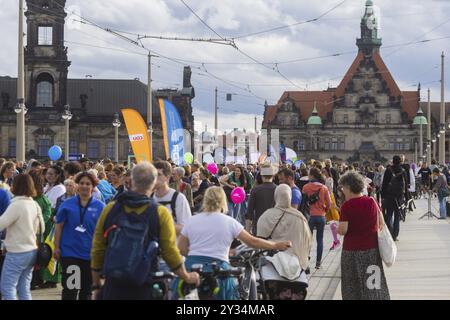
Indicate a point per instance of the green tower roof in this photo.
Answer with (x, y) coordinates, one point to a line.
(314, 119)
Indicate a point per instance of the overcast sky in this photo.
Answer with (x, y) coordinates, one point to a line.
(401, 21)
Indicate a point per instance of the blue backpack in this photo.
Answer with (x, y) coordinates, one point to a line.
(133, 245)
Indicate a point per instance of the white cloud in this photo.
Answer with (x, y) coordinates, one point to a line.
(226, 122)
(401, 21)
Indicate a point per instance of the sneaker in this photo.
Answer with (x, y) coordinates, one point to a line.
(317, 266)
(307, 271)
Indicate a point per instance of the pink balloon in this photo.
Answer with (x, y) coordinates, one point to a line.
(238, 195)
(212, 167)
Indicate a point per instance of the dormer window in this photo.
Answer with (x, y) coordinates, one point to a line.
(45, 36)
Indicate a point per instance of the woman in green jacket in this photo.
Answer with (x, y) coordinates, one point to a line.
(43, 278)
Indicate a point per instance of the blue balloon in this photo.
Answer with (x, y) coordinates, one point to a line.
(55, 153)
(298, 163)
(289, 162)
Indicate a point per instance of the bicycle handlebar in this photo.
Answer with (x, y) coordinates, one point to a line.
(160, 275)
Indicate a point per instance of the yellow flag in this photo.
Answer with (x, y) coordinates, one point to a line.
(138, 134)
(52, 265)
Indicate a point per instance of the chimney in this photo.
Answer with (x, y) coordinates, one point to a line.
(187, 73)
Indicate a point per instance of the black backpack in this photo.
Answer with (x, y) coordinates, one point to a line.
(396, 187)
(307, 202)
(132, 253)
(173, 206)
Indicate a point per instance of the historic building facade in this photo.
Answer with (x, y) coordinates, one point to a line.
(93, 102)
(367, 117)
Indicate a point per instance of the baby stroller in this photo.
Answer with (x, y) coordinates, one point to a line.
(278, 280)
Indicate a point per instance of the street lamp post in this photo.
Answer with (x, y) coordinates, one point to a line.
(429, 154)
(67, 116)
(116, 124)
(20, 109)
(420, 120)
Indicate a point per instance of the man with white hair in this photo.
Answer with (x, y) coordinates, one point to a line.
(138, 209)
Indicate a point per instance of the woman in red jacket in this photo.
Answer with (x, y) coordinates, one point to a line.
(317, 190)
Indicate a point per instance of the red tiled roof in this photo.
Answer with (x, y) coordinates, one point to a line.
(349, 75)
(304, 100)
(410, 103)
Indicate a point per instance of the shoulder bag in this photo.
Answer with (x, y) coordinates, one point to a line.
(386, 245)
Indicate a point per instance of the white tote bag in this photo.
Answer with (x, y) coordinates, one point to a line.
(386, 245)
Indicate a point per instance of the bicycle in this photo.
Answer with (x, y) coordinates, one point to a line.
(209, 282)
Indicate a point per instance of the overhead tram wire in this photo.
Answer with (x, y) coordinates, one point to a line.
(141, 45)
(266, 63)
(274, 68)
(218, 78)
(198, 17)
(422, 35)
(289, 25)
(304, 59)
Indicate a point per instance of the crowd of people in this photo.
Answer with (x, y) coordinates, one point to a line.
(93, 209)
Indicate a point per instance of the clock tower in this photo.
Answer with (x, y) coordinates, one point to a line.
(46, 62)
(369, 41)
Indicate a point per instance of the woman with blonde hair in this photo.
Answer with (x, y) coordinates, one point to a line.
(207, 238)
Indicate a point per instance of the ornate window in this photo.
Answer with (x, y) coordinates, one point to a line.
(399, 144)
(12, 147)
(110, 149)
(44, 91)
(45, 36)
(341, 141)
(43, 146)
(345, 118)
(302, 145)
(334, 144)
(73, 150)
(388, 118)
(93, 149)
(326, 144)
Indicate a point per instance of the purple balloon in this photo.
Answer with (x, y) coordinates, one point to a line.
(238, 195)
(213, 169)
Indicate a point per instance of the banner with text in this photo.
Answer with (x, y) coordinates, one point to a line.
(138, 134)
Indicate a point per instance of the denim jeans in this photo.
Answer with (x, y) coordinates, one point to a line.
(392, 218)
(234, 211)
(318, 223)
(16, 275)
(243, 211)
(442, 207)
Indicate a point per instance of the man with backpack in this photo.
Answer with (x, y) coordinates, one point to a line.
(174, 201)
(130, 234)
(394, 191)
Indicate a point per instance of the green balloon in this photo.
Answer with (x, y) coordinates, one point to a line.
(188, 158)
(294, 159)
